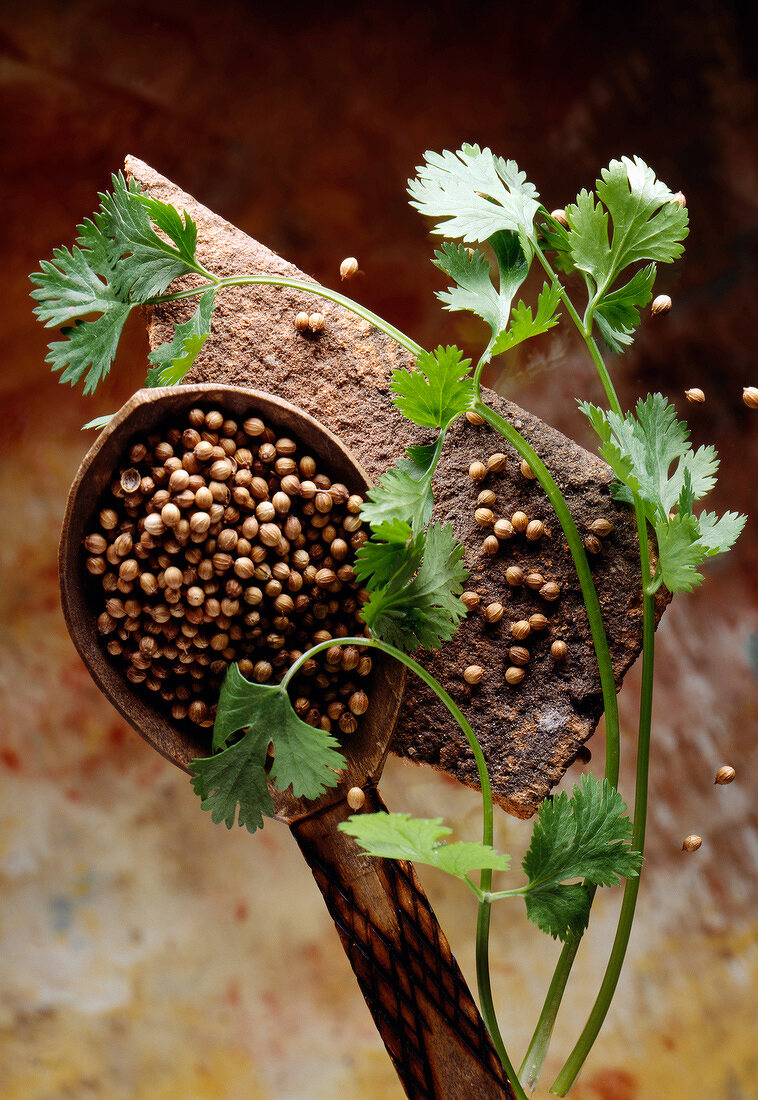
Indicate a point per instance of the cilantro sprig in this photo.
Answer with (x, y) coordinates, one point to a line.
(650, 453)
(233, 782)
(120, 260)
(582, 836)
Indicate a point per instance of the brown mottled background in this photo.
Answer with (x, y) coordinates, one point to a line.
(146, 954)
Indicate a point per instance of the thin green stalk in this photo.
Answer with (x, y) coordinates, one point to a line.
(589, 593)
(296, 284)
(567, 1076)
(485, 897)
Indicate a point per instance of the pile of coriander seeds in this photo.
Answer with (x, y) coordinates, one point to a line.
(221, 541)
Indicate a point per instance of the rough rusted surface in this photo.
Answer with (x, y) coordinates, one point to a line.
(530, 733)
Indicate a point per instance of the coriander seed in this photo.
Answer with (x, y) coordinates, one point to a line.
(497, 462)
(749, 396)
(725, 774)
(491, 545)
(493, 612)
(550, 591)
(486, 498)
(316, 322)
(348, 267)
(503, 529)
(514, 576)
(520, 521)
(521, 630)
(355, 797)
(661, 304)
(484, 517)
(473, 674)
(538, 621)
(691, 843)
(695, 396)
(514, 675)
(535, 529)
(477, 471)
(526, 470)
(559, 216)
(534, 581)
(519, 655)
(601, 527)
(474, 418)
(592, 544)
(470, 600)
(558, 650)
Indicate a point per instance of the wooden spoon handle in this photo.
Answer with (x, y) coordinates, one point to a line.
(413, 986)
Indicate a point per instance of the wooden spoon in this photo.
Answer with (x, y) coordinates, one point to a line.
(413, 986)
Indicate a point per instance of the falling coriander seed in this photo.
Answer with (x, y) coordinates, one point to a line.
(691, 843)
(750, 396)
(695, 396)
(661, 304)
(355, 798)
(725, 774)
(348, 267)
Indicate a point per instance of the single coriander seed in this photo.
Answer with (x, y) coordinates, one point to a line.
(514, 675)
(661, 304)
(749, 396)
(534, 581)
(474, 418)
(491, 545)
(493, 612)
(526, 470)
(691, 843)
(592, 544)
(348, 267)
(486, 498)
(497, 462)
(601, 527)
(519, 655)
(521, 630)
(535, 529)
(503, 529)
(470, 600)
(514, 576)
(520, 521)
(316, 322)
(538, 621)
(559, 216)
(550, 591)
(473, 674)
(484, 517)
(558, 650)
(355, 796)
(477, 471)
(695, 396)
(301, 321)
(724, 775)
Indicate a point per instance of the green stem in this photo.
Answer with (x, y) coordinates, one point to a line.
(296, 284)
(589, 592)
(485, 900)
(567, 1076)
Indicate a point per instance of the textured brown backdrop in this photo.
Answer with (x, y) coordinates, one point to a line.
(141, 946)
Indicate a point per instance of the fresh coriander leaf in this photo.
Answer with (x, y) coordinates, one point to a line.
(617, 313)
(475, 290)
(99, 422)
(560, 911)
(404, 491)
(680, 552)
(400, 836)
(148, 263)
(425, 610)
(117, 262)
(585, 836)
(437, 390)
(388, 550)
(720, 534)
(172, 361)
(234, 781)
(473, 194)
(648, 223)
(523, 326)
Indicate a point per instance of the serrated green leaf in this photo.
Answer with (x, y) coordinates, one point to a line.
(172, 361)
(560, 911)
(474, 290)
(648, 223)
(421, 609)
(404, 491)
(117, 262)
(472, 195)
(720, 534)
(587, 240)
(388, 550)
(400, 836)
(617, 313)
(680, 552)
(585, 836)
(437, 390)
(233, 782)
(523, 326)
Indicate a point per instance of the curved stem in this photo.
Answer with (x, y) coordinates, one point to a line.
(297, 284)
(485, 900)
(568, 1074)
(589, 592)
